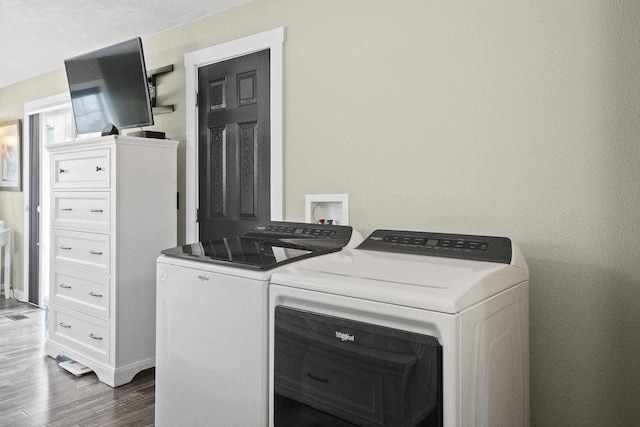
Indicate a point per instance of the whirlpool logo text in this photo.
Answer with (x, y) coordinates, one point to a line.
(345, 336)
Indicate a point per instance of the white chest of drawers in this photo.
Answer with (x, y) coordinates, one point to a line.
(113, 210)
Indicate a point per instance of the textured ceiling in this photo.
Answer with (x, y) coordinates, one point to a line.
(36, 36)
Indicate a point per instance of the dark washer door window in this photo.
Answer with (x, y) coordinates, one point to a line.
(233, 146)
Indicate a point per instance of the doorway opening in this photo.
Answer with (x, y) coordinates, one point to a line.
(273, 41)
(47, 121)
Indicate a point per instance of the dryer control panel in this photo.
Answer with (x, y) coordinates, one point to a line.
(463, 246)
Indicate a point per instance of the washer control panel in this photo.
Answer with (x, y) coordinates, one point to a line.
(283, 230)
(288, 230)
(463, 246)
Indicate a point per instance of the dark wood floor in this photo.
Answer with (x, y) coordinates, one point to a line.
(35, 391)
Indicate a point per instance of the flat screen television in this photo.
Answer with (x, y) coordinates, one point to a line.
(110, 86)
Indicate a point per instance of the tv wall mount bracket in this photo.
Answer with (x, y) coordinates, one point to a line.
(151, 78)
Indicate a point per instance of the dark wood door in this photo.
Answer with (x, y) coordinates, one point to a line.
(233, 146)
(34, 208)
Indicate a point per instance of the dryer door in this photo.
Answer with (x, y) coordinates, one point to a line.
(330, 371)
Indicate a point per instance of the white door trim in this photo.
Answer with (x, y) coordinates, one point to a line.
(273, 40)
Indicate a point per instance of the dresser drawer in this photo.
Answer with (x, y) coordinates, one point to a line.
(88, 252)
(84, 292)
(83, 169)
(80, 332)
(82, 210)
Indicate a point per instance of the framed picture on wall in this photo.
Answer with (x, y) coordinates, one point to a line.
(10, 156)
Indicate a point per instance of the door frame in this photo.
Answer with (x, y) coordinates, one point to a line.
(274, 41)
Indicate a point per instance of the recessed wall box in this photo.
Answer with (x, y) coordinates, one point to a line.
(326, 208)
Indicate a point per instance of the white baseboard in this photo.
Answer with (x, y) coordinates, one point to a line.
(18, 295)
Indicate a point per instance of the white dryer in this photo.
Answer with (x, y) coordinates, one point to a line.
(408, 329)
(211, 321)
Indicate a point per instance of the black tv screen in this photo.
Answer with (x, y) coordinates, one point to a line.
(109, 86)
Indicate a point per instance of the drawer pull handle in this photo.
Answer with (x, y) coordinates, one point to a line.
(64, 325)
(95, 337)
(93, 294)
(95, 253)
(64, 170)
(96, 210)
(62, 285)
(66, 248)
(66, 209)
(98, 168)
(322, 380)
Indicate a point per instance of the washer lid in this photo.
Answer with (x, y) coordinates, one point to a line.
(267, 246)
(432, 283)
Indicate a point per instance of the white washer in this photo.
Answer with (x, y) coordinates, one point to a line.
(211, 322)
(470, 293)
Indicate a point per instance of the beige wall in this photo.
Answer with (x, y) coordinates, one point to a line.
(498, 117)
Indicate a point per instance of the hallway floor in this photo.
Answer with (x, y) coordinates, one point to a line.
(35, 391)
